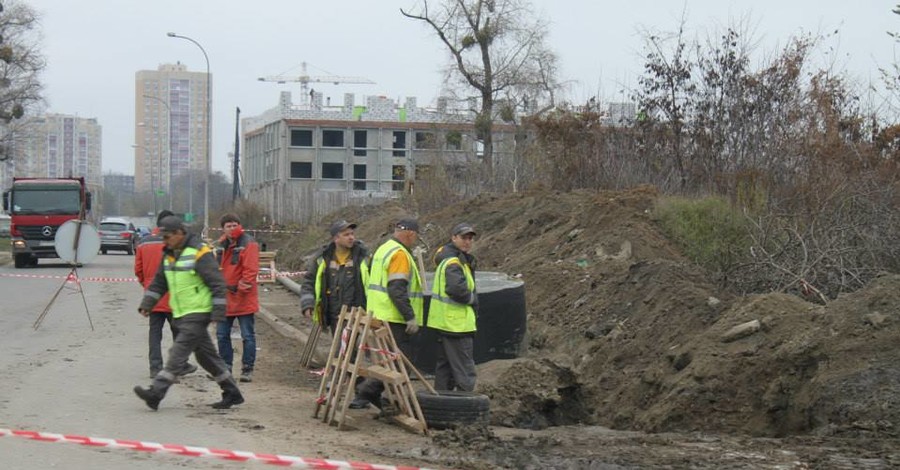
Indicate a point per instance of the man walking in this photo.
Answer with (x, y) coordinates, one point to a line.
(335, 277)
(239, 261)
(395, 295)
(451, 311)
(190, 274)
(147, 260)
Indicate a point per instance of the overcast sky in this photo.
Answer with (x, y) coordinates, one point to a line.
(94, 48)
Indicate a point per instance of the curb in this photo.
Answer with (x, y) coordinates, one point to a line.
(288, 331)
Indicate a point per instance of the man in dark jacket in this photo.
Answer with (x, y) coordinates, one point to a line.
(452, 312)
(336, 276)
(190, 274)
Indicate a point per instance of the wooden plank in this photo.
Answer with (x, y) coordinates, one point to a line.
(383, 373)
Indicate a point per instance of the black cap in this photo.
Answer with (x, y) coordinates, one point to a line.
(170, 224)
(408, 224)
(162, 215)
(462, 229)
(340, 226)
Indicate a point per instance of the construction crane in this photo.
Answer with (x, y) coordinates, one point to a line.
(305, 79)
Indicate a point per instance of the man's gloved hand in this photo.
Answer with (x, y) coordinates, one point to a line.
(218, 313)
(412, 327)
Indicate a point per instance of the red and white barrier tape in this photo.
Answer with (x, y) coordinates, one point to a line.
(192, 451)
(217, 229)
(72, 278)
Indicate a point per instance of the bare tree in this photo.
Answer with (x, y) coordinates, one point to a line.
(498, 49)
(21, 62)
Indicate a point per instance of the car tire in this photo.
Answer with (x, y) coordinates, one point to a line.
(103, 251)
(130, 250)
(20, 261)
(447, 409)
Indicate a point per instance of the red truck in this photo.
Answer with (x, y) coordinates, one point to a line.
(37, 207)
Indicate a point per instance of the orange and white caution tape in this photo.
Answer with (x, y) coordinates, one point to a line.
(73, 278)
(192, 451)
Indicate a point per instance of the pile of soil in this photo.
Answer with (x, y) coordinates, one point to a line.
(625, 332)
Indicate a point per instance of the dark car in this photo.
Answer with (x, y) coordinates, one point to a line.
(117, 234)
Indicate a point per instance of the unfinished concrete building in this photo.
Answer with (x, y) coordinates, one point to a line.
(300, 162)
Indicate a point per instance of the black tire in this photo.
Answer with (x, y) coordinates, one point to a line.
(20, 261)
(103, 251)
(448, 409)
(130, 250)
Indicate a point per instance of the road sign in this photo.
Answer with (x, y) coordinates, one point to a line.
(188, 217)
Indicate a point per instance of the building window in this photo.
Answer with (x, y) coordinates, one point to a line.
(359, 173)
(301, 138)
(398, 174)
(301, 170)
(360, 142)
(331, 138)
(399, 145)
(425, 140)
(454, 140)
(333, 171)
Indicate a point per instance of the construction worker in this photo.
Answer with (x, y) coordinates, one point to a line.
(147, 259)
(335, 277)
(190, 274)
(451, 311)
(239, 261)
(395, 295)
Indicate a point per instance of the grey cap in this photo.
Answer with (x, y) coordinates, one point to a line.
(462, 229)
(408, 224)
(339, 226)
(171, 223)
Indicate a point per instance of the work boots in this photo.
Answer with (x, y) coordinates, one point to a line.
(150, 396)
(231, 395)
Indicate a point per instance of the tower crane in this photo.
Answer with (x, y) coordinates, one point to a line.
(305, 79)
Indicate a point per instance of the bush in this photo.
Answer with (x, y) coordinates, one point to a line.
(710, 231)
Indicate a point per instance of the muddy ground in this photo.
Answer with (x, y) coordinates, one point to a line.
(625, 333)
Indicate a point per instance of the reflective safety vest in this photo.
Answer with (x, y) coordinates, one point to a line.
(377, 299)
(320, 286)
(187, 291)
(445, 313)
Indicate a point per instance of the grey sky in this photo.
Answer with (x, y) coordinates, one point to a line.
(94, 48)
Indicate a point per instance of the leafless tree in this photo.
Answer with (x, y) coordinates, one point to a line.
(497, 48)
(21, 62)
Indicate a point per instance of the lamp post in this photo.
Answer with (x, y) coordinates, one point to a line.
(208, 129)
(159, 156)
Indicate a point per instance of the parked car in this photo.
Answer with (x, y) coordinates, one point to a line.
(117, 234)
(143, 231)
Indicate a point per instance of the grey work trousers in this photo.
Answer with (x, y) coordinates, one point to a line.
(193, 337)
(455, 368)
(157, 322)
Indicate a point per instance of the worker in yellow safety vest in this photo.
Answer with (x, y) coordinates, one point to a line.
(452, 311)
(394, 296)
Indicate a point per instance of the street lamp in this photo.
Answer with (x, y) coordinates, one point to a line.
(208, 129)
(159, 145)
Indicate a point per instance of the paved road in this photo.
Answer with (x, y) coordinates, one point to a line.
(66, 378)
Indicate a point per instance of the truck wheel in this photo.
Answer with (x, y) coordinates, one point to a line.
(453, 408)
(21, 261)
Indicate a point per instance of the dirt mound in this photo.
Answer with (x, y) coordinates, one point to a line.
(625, 332)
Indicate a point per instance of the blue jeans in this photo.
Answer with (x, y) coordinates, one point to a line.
(248, 335)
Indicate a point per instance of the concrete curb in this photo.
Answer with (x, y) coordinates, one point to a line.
(286, 330)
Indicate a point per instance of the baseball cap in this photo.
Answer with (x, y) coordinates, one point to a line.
(339, 226)
(171, 223)
(408, 224)
(462, 229)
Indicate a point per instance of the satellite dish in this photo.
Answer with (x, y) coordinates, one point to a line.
(88, 242)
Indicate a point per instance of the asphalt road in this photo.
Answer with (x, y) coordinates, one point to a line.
(66, 378)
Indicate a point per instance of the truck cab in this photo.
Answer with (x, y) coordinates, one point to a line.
(37, 208)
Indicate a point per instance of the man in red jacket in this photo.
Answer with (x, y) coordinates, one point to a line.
(239, 262)
(147, 259)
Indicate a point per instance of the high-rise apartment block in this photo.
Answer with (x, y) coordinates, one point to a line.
(170, 125)
(54, 146)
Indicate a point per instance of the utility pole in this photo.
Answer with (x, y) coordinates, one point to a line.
(236, 185)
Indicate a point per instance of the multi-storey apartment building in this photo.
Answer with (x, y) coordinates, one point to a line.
(300, 162)
(170, 125)
(54, 146)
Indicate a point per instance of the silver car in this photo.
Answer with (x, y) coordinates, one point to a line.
(117, 234)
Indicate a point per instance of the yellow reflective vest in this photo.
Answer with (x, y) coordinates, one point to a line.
(445, 313)
(320, 287)
(187, 291)
(377, 299)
